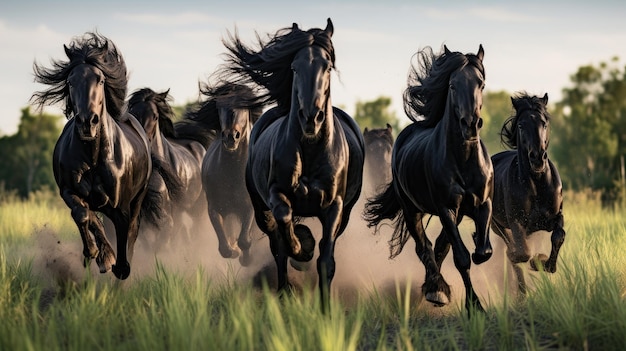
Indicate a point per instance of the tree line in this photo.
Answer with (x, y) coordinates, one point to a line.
(587, 136)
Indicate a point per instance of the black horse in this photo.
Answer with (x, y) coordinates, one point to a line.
(102, 158)
(528, 191)
(378, 149)
(230, 109)
(306, 156)
(440, 166)
(177, 173)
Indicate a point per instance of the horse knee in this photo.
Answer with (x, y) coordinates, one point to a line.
(282, 213)
(80, 215)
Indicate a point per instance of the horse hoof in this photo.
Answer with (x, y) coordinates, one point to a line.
(437, 298)
(245, 259)
(539, 262)
(121, 272)
(307, 243)
(482, 257)
(300, 266)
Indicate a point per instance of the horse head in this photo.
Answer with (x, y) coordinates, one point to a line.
(465, 95)
(234, 126)
(148, 107)
(311, 68)
(86, 99)
(532, 130)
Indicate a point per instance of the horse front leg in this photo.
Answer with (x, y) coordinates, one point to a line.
(331, 222)
(482, 219)
(81, 214)
(557, 238)
(106, 256)
(435, 289)
(244, 241)
(461, 257)
(507, 237)
(302, 245)
(224, 246)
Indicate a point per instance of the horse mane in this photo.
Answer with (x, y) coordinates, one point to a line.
(270, 66)
(206, 114)
(522, 102)
(94, 49)
(162, 102)
(428, 82)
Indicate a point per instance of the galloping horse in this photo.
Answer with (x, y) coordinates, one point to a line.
(306, 156)
(528, 191)
(231, 109)
(180, 156)
(440, 167)
(378, 149)
(102, 158)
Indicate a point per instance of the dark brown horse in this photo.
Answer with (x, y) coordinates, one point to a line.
(231, 110)
(528, 192)
(180, 158)
(102, 158)
(378, 149)
(440, 166)
(306, 157)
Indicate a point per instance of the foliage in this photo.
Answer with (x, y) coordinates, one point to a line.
(590, 130)
(376, 114)
(496, 109)
(26, 162)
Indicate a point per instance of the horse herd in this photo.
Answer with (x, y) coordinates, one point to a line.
(302, 157)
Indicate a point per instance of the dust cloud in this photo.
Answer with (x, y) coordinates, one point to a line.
(362, 259)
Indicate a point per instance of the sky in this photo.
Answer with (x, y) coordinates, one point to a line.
(530, 45)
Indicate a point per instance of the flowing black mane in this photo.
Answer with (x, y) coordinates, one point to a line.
(223, 95)
(93, 49)
(427, 91)
(270, 66)
(521, 102)
(162, 102)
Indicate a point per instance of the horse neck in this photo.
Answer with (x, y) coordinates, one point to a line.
(158, 142)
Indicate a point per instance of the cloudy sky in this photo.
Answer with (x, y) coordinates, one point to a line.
(529, 45)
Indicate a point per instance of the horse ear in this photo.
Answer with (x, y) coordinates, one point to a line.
(329, 27)
(481, 52)
(366, 130)
(545, 99)
(389, 127)
(67, 50)
(163, 95)
(294, 26)
(446, 50)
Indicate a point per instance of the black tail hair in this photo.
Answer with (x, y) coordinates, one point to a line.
(384, 206)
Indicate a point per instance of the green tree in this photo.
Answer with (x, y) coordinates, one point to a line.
(26, 164)
(496, 109)
(376, 114)
(590, 125)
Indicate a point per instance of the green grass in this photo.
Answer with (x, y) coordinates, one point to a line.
(580, 307)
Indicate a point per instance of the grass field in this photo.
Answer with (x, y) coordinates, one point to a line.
(186, 297)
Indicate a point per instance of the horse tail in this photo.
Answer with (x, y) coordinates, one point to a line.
(151, 210)
(172, 180)
(386, 206)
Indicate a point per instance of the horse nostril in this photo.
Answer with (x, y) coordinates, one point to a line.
(237, 135)
(480, 123)
(319, 117)
(95, 119)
